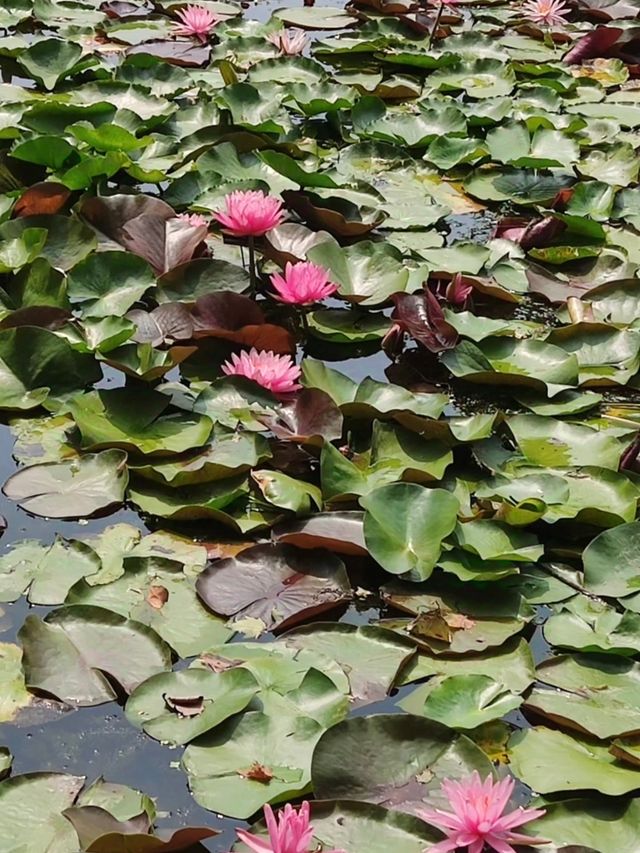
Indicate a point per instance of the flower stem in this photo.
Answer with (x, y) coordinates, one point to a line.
(304, 323)
(252, 266)
(435, 24)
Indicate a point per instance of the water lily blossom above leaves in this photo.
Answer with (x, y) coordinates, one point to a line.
(457, 292)
(250, 213)
(278, 373)
(549, 13)
(196, 21)
(290, 832)
(477, 818)
(289, 42)
(303, 284)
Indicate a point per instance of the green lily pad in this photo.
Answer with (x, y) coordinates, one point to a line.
(38, 800)
(404, 526)
(68, 240)
(593, 695)
(14, 694)
(452, 619)
(251, 760)
(595, 823)
(323, 18)
(50, 59)
(109, 283)
(366, 273)
(549, 761)
(552, 443)
(68, 654)
(399, 762)
(590, 625)
(610, 561)
(347, 327)
(189, 503)
(93, 483)
(52, 367)
(176, 707)
(156, 592)
(372, 657)
(505, 361)
(230, 453)
(511, 663)
(137, 421)
(461, 701)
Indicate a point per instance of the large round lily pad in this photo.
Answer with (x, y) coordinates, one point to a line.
(396, 761)
(276, 584)
(250, 760)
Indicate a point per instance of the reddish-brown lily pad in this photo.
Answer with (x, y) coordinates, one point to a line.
(311, 418)
(341, 532)
(100, 832)
(45, 197)
(336, 215)
(277, 584)
(145, 226)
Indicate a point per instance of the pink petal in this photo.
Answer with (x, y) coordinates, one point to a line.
(498, 844)
(259, 845)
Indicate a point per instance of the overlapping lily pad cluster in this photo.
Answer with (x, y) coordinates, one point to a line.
(467, 175)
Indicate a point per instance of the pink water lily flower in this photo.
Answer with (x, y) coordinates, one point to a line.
(196, 21)
(291, 832)
(193, 219)
(477, 818)
(549, 13)
(458, 292)
(250, 213)
(302, 284)
(278, 373)
(289, 42)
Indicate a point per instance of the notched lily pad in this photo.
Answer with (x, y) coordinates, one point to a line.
(278, 584)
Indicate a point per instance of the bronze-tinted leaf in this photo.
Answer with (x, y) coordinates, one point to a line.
(145, 226)
(336, 215)
(257, 773)
(594, 45)
(341, 532)
(421, 316)
(91, 822)
(311, 418)
(238, 319)
(164, 325)
(279, 584)
(157, 597)
(45, 197)
(43, 316)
